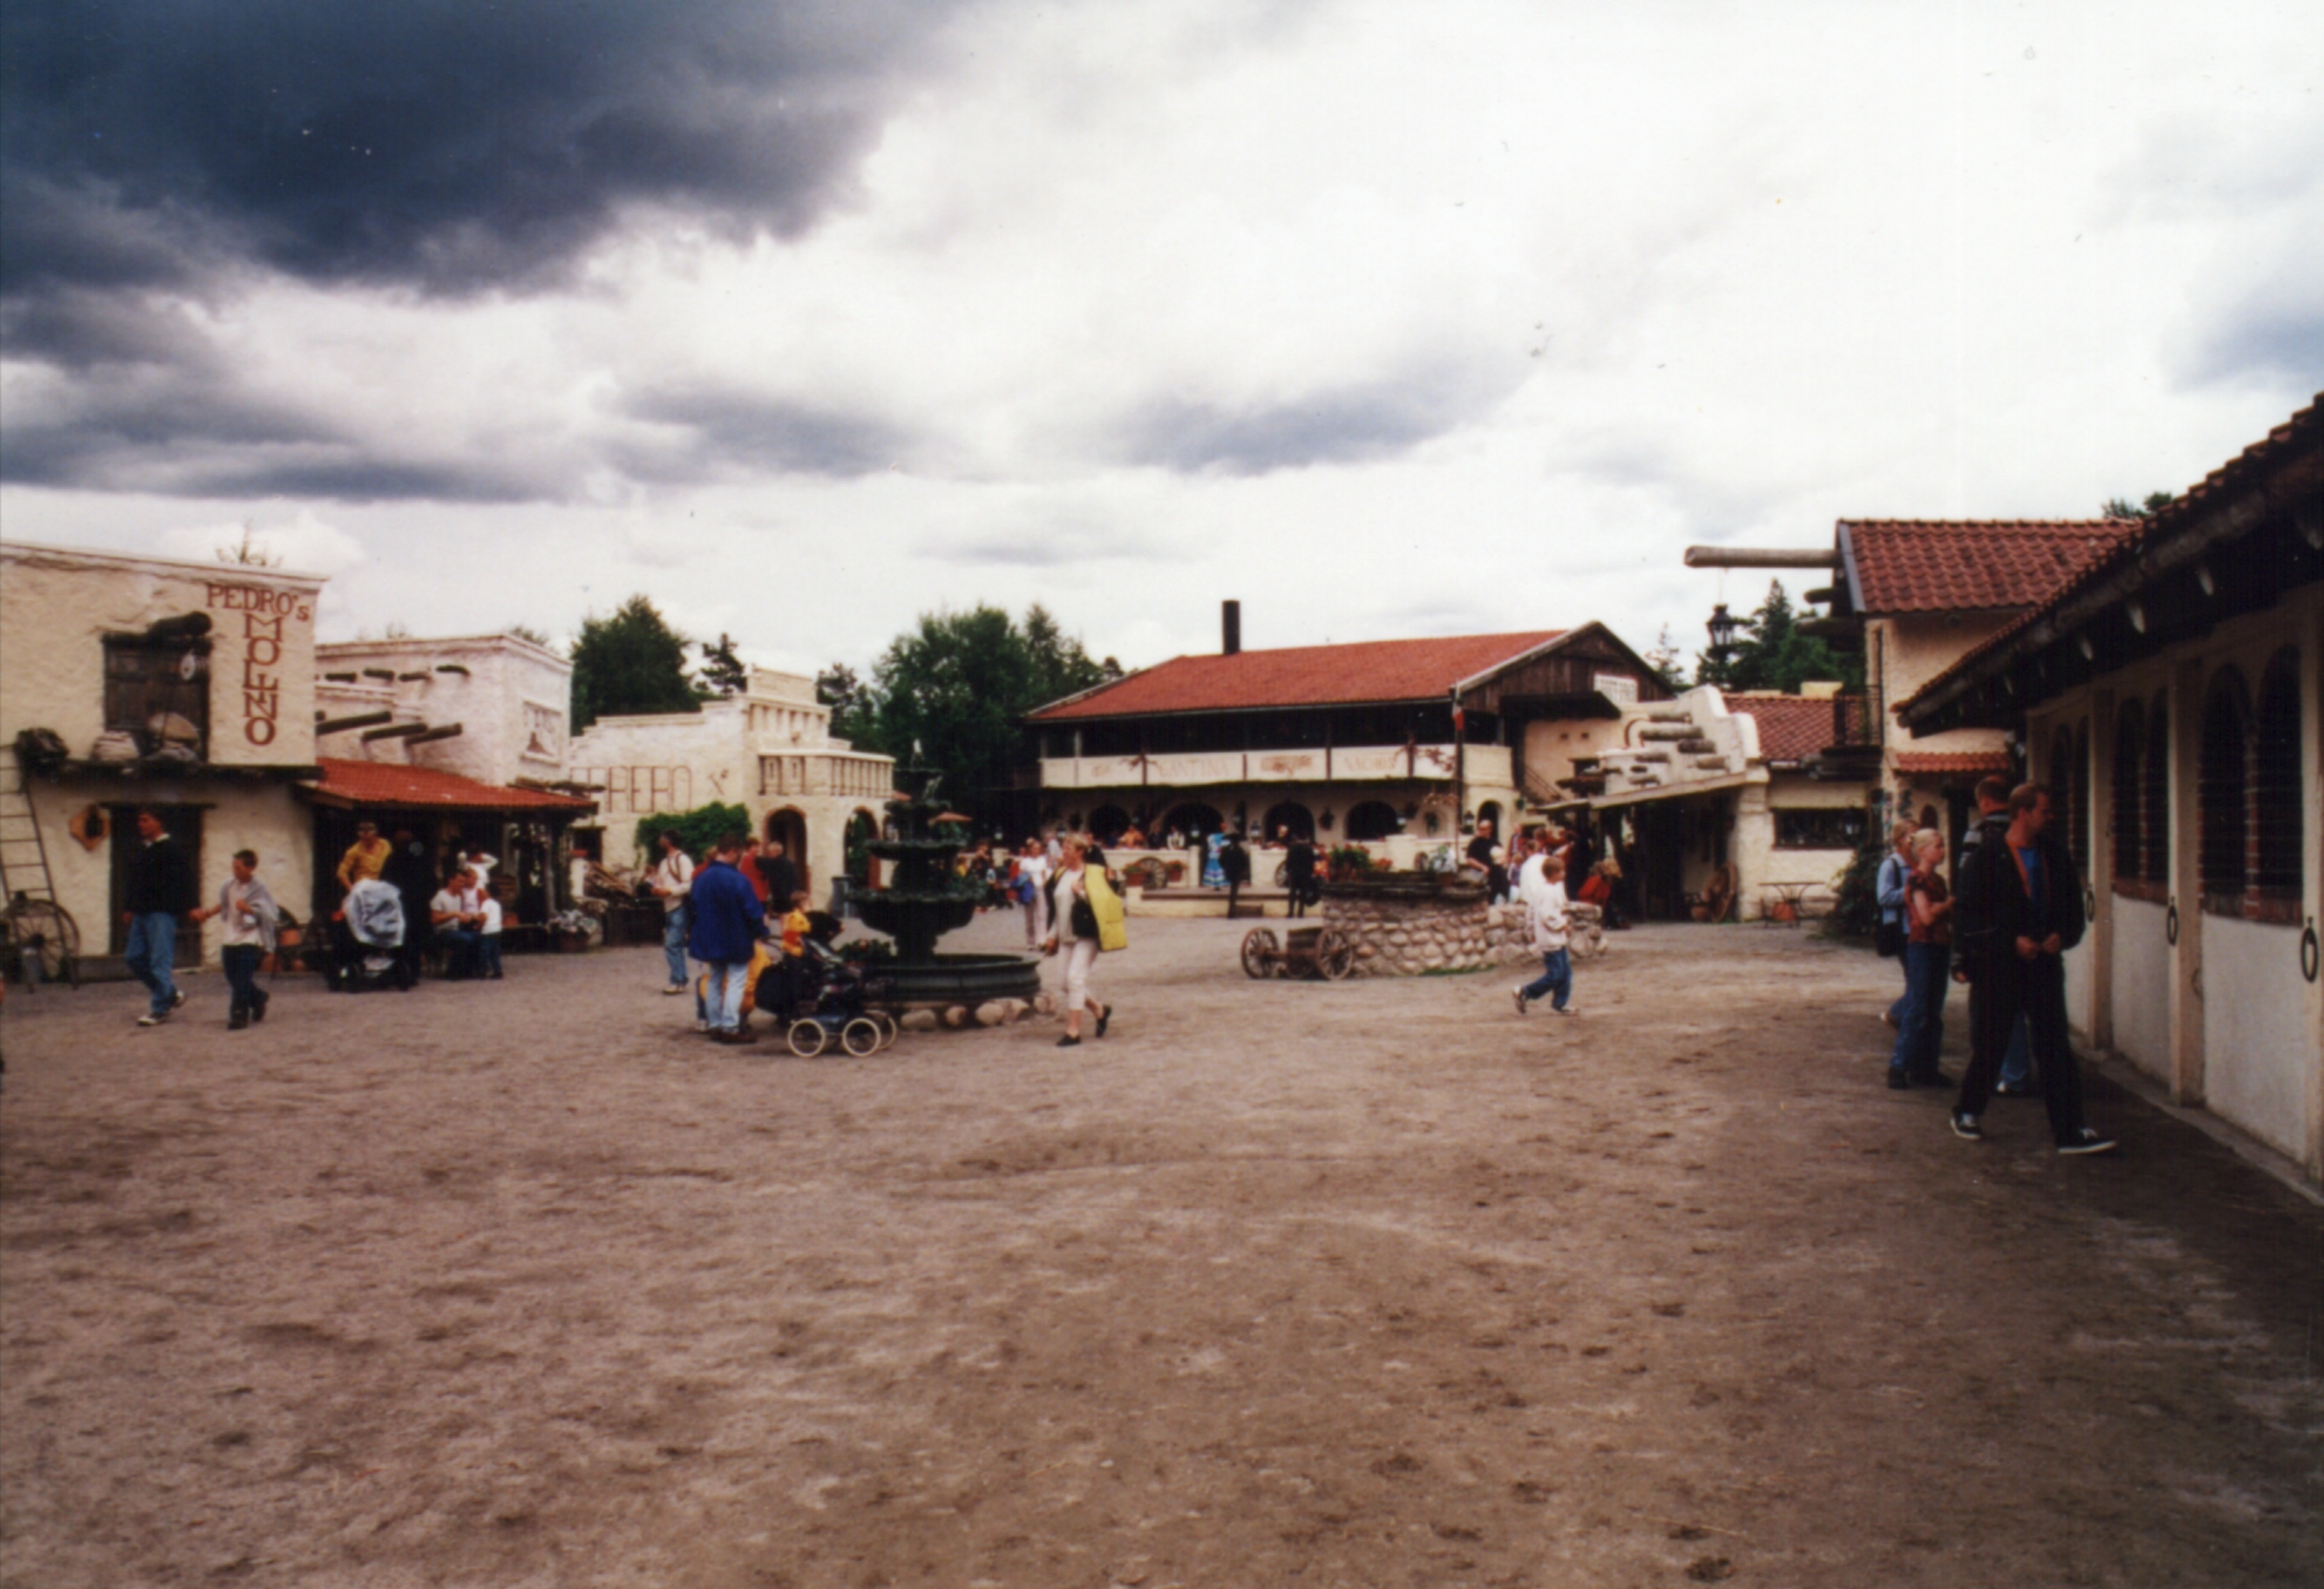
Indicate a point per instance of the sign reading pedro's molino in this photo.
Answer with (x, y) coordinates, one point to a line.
(267, 624)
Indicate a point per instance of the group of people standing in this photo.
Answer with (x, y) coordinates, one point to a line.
(2003, 929)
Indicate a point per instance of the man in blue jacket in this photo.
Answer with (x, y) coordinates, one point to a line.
(2018, 910)
(726, 924)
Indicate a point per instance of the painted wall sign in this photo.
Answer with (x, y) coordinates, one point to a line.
(263, 613)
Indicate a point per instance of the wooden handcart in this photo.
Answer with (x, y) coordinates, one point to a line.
(1305, 951)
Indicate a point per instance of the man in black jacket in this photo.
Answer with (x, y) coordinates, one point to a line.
(2018, 910)
(161, 889)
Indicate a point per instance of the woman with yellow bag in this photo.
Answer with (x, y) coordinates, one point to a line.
(1085, 916)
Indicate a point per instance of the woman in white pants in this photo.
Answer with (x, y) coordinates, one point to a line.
(1070, 887)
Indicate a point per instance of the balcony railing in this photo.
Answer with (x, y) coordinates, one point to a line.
(1856, 720)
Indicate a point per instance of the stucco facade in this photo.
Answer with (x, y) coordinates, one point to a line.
(769, 750)
(510, 699)
(76, 629)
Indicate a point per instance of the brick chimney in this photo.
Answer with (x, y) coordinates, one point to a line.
(1230, 628)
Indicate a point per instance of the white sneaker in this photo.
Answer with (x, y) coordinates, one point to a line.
(1569, 1010)
(161, 1020)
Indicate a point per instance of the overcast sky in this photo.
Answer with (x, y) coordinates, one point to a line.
(1385, 319)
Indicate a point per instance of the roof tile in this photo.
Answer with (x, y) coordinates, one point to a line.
(1302, 676)
(1792, 727)
(1929, 761)
(393, 783)
(1968, 565)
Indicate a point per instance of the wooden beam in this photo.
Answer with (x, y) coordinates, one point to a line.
(360, 720)
(1755, 557)
(396, 731)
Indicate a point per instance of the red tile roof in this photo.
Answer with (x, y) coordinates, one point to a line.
(392, 785)
(1956, 565)
(1792, 727)
(1932, 761)
(2303, 431)
(1303, 676)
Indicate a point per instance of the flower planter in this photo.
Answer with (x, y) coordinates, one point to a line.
(569, 943)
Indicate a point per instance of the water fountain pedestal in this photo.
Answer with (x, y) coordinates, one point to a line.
(925, 898)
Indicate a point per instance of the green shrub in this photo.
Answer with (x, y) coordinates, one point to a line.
(696, 829)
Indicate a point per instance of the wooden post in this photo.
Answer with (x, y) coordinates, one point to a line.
(2100, 1023)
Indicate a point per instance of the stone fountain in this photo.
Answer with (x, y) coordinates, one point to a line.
(925, 898)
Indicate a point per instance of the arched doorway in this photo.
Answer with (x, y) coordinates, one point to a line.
(1491, 811)
(1292, 815)
(862, 827)
(787, 827)
(1373, 820)
(1194, 819)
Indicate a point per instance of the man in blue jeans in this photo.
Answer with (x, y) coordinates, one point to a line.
(161, 890)
(1547, 915)
(671, 879)
(727, 924)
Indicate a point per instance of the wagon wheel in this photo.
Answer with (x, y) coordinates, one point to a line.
(1261, 953)
(41, 941)
(1283, 874)
(1335, 956)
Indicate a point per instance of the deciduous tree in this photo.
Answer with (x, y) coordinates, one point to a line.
(632, 661)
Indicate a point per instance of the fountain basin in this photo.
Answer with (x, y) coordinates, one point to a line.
(959, 979)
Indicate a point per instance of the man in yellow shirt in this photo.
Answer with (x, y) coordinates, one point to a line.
(366, 857)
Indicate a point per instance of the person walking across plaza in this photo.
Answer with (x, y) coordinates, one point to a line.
(1298, 870)
(725, 924)
(1033, 891)
(1928, 958)
(161, 890)
(1077, 932)
(2018, 910)
(1891, 935)
(1549, 922)
(247, 917)
(670, 880)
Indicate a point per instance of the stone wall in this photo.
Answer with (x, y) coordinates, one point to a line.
(1408, 932)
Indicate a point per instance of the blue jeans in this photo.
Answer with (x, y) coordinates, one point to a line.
(459, 947)
(727, 980)
(1556, 979)
(2017, 1064)
(673, 943)
(240, 963)
(1896, 1010)
(1920, 1029)
(152, 945)
(488, 953)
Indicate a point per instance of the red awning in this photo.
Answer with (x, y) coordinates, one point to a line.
(389, 786)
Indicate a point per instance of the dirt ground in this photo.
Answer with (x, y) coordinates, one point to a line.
(1365, 1284)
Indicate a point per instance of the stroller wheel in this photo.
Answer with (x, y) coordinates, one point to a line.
(861, 1035)
(806, 1038)
(888, 1030)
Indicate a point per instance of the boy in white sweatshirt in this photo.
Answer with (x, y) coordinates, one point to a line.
(1545, 915)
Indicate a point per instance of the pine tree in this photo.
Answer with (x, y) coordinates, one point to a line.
(631, 662)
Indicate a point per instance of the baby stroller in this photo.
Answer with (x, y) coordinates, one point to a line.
(819, 998)
(367, 940)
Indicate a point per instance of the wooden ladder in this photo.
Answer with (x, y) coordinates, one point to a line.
(23, 854)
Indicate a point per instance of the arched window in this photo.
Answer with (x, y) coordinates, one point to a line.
(1293, 815)
(2065, 802)
(2223, 787)
(2276, 779)
(2155, 797)
(2078, 808)
(1373, 820)
(2129, 747)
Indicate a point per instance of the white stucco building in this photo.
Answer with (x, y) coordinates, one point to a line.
(185, 687)
(769, 750)
(2170, 696)
(493, 708)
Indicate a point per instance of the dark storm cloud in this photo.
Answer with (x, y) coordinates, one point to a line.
(453, 145)
(1352, 424)
(717, 428)
(2275, 338)
(153, 428)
